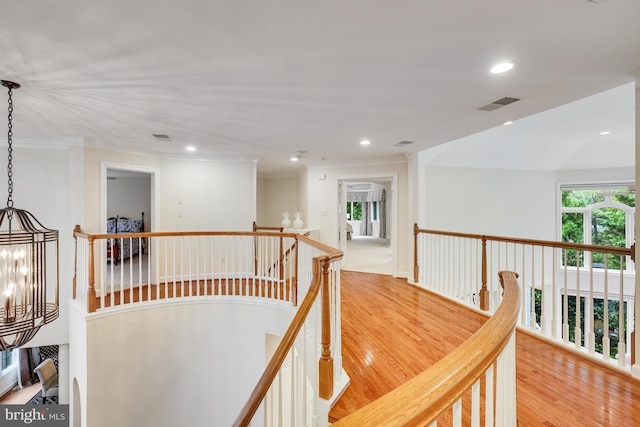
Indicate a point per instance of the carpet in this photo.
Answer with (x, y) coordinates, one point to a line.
(37, 400)
(368, 255)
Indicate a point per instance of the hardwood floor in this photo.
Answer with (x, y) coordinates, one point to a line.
(20, 396)
(392, 331)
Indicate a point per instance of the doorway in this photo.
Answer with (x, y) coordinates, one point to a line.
(128, 201)
(367, 216)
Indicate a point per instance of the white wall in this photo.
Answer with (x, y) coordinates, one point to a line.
(490, 201)
(203, 195)
(262, 214)
(303, 199)
(596, 175)
(93, 159)
(322, 205)
(193, 195)
(275, 196)
(47, 181)
(189, 366)
(128, 197)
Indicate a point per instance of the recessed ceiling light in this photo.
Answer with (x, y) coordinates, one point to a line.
(365, 142)
(502, 67)
(507, 123)
(190, 148)
(295, 158)
(606, 132)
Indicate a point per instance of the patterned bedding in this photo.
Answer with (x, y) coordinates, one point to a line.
(125, 247)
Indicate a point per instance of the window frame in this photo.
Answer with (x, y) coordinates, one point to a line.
(607, 188)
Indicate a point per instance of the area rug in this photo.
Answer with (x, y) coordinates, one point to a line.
(37, 400)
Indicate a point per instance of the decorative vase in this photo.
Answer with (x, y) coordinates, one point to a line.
(286, 222)
(297, 222)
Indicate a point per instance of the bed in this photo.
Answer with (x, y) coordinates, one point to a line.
(124, 248)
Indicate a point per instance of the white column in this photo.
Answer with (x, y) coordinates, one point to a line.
(635, 369)
(63, 374)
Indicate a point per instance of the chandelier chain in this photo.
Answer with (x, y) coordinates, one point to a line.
(10, 156)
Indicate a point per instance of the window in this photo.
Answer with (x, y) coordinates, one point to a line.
(354, 211)
(598, 215)
(7, 359)
(374, 211)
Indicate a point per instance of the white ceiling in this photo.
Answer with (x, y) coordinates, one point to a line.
(266, 79)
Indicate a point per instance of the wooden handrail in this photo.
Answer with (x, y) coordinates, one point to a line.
(103, 236)
(547, 243)
(422, 399)
(269, 374)
(256, 227)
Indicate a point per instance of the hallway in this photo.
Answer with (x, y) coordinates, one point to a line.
(392, 331)
(369, 255)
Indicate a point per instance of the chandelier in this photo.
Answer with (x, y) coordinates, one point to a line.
(27, 251)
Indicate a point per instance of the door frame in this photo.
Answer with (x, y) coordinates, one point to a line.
(153, 175)
(377, 177)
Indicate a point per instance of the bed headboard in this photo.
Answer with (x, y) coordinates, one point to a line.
(120, 224)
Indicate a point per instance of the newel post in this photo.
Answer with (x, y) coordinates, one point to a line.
(416, 269)
(484, 292)
(325, 364)
(77, 229)
(91, 292)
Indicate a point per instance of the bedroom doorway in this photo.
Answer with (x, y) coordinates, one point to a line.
(367, 215)
(128, 205)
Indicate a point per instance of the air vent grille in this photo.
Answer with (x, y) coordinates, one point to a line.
(498, 103)
(403, 143)
(161, 137)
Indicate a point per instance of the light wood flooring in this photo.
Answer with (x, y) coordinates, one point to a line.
(20, 396)
(392, 331)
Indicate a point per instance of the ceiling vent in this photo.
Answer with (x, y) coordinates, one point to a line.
(499, 103)
(161, 137)
(402, 143)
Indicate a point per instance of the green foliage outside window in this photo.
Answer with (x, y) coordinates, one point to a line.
(608, 224)
(598, 321)
(356, 215)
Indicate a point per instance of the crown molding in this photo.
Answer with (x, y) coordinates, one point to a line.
(55, 143)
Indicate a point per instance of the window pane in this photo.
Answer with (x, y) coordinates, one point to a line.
(573, 227)
(623, 196)
(357, 211)
(7, 359)
(608, 227)
(581, 198)
(573, 231)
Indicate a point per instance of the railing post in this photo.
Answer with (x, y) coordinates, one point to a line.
(91, 291)
(77, 229)
(416, 269)
(281, 257)
(484, 292)
(326, 359)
